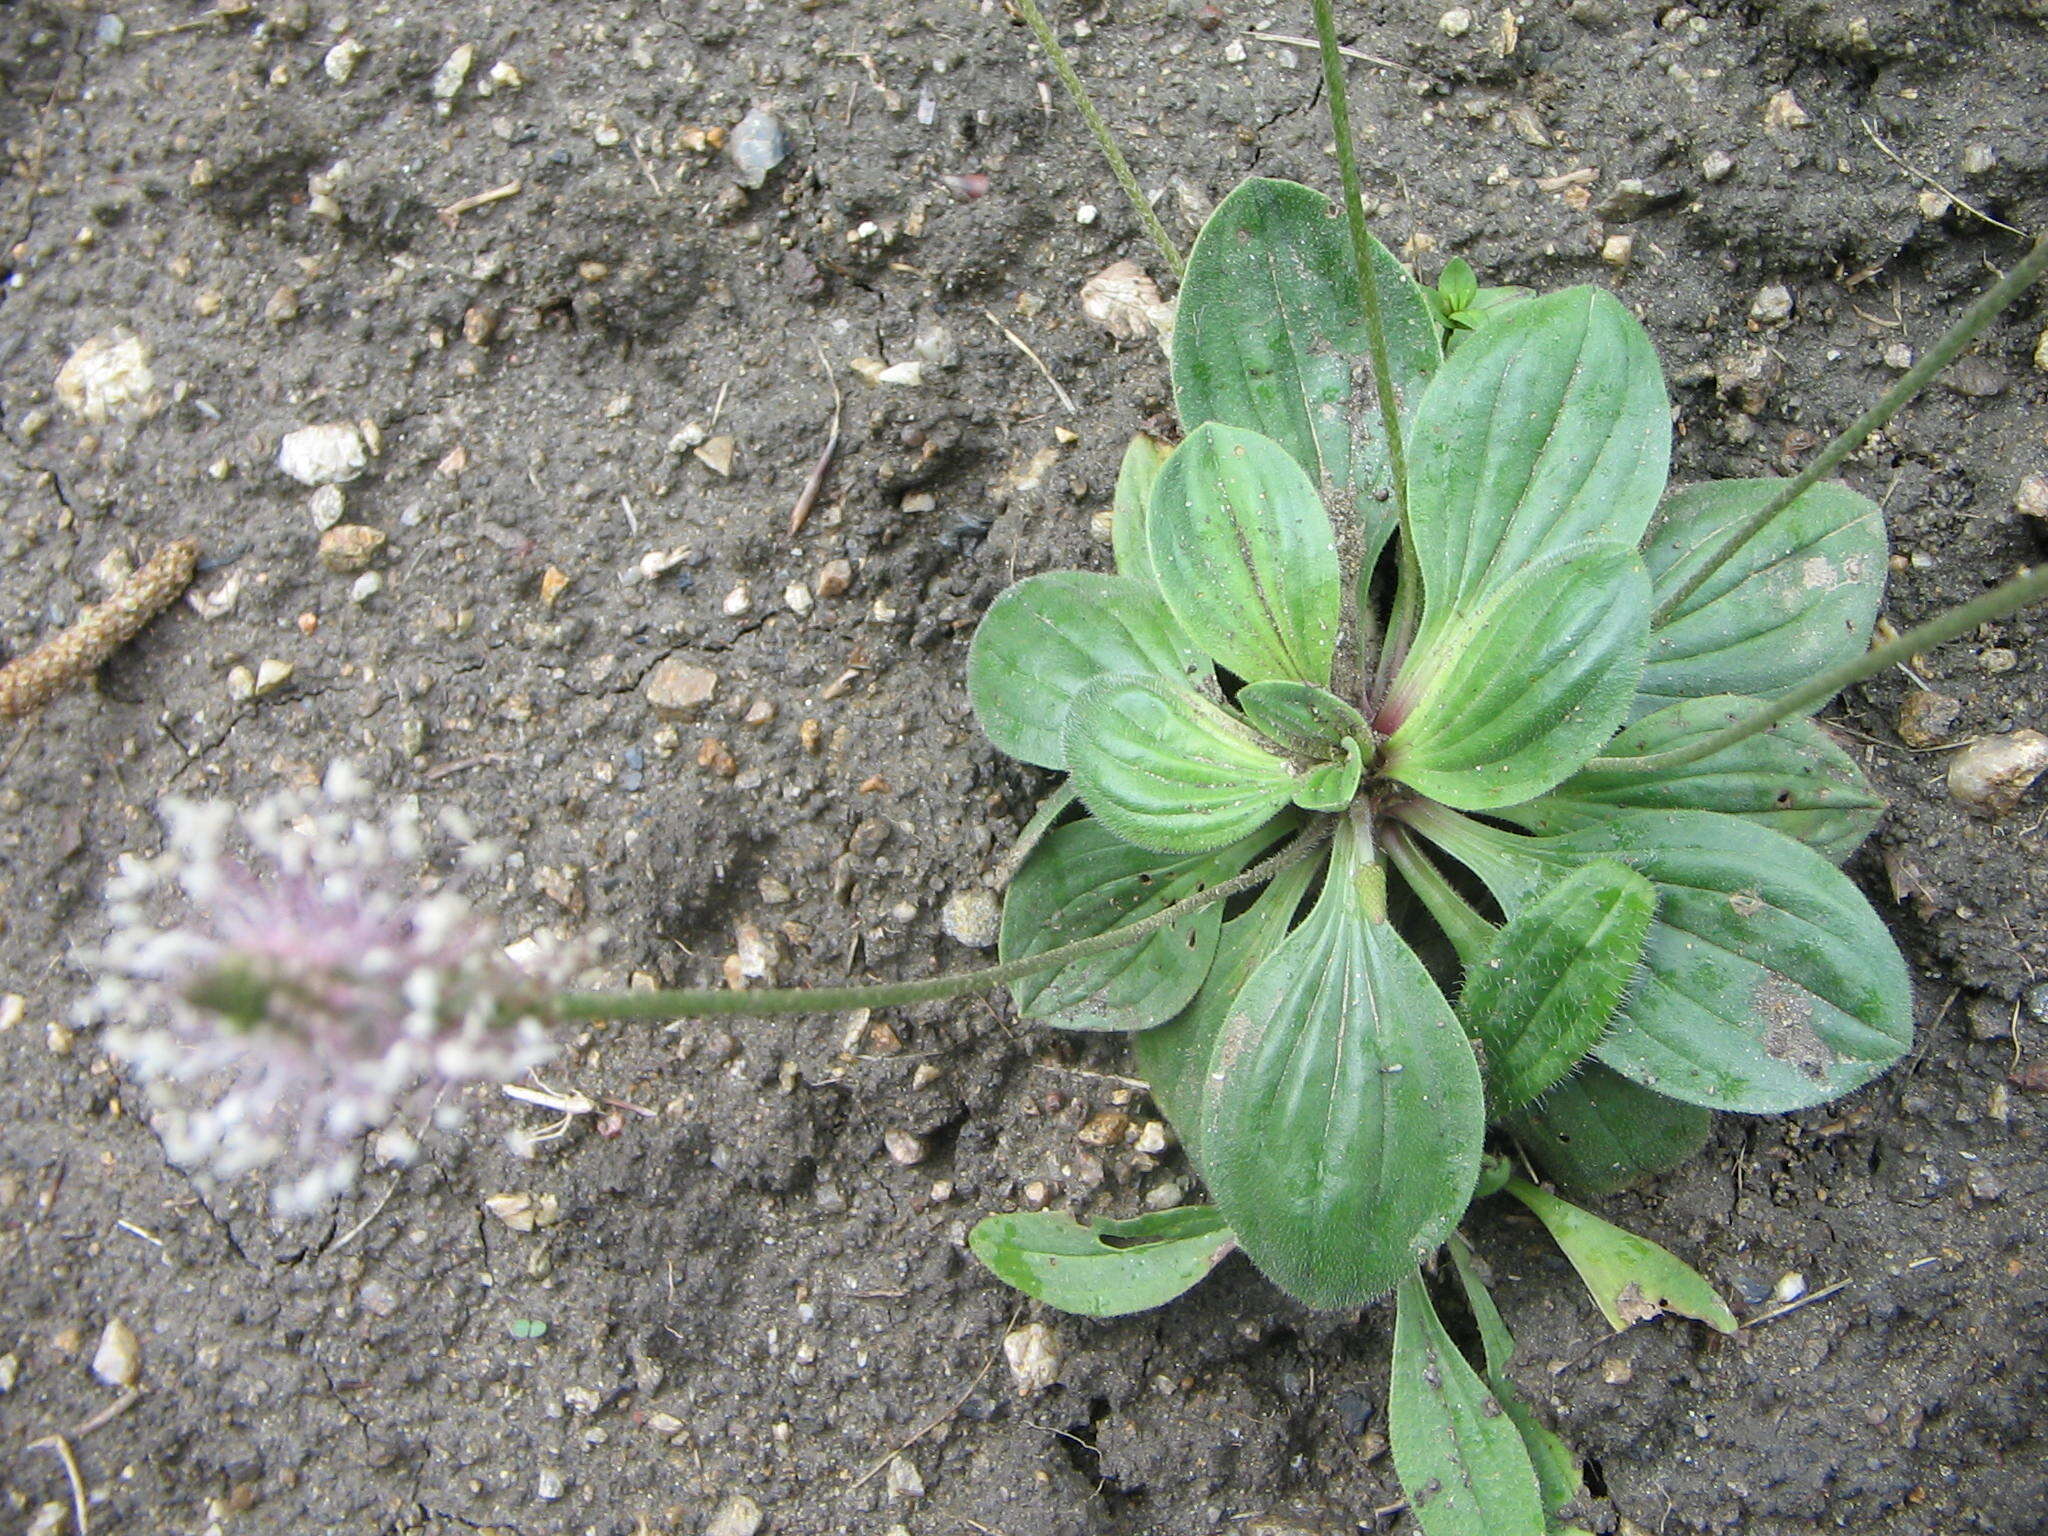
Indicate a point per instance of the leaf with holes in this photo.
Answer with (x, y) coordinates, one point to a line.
(1459, 1456)
(1597, 1132)
(1048, 636)
(1083, 880)
(1557, 1469)
(1768, 983)
(1103, 1268)
(1245, 555)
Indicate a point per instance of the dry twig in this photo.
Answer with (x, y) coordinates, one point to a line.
(29, 682)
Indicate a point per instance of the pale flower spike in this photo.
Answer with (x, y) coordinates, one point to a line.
(284, 981)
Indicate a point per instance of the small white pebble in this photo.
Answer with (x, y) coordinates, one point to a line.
(1455, 22)
(118, 1360)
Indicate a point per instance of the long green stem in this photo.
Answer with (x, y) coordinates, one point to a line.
(1470, 934)
(1104, 139)
(689, 1002)
(1361, 251)
(1918, 377)
(1995, 604)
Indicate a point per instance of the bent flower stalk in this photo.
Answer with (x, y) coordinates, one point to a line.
(285, 980)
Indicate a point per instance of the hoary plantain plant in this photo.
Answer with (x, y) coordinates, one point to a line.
(1412, 604)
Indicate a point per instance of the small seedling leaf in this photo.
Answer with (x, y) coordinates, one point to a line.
(1047, 636)
(1083, 880)
(1798, 598)
(1457, 285)
(1103, 1268)
(1271, 338)
(1528, 686)
(1341, 1132)
(1133, 506)
(1768, 982)
(1546, 427)
(1246, 556)
(1332, 786)
(1544, 994)
(1458, 1453)
(1165, 768)
(1301, 718)
(1630, 1277)
(1793, 779)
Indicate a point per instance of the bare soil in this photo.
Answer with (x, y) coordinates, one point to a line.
(745, 1295)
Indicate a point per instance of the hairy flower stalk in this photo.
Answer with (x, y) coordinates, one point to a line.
(284, 981)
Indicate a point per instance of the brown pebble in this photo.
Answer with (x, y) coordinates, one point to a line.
(874, 784)
(841, 685)
(348, 548)
(553, 583)
(834, 578)
(1107, 1129)
(883, 1039)
(1927, 719)
(679, 689)
(479, 325)
(811, 736)
(714, 754)
(905, 1149)
(759, 713)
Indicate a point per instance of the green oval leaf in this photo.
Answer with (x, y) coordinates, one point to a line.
(1541, 998)
(1793, 779)
(1271, 338)
(1631, 1278)
(1045, 637)
(1798, 598)
(1245, 555)
(1459, 1456)
(1597, 1132)
(1302, 718)
(1174, 1058)
(1147, 1261)
(1083, 880)
(1132, 507)
(1525, 689)
(1546, 427)
(1341, 1131)
(1164, 768)
(1768, 983)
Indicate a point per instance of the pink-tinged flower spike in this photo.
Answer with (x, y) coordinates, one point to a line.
(284, 981)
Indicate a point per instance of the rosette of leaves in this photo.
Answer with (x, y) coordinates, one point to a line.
(1457, 688)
